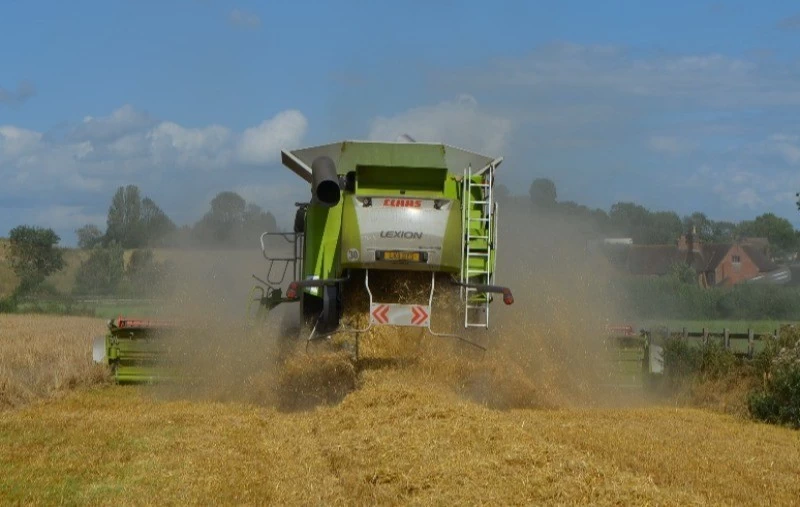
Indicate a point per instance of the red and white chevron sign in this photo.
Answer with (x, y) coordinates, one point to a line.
(400, 315)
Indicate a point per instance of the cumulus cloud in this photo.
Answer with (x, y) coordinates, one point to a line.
(25, 90)
(16, 142)
(58, 173)
(460, 122)
(262, 143)
(244, 19)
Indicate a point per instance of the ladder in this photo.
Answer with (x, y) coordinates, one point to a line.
(478, 242)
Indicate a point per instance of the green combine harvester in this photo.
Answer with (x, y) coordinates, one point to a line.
(375, 207)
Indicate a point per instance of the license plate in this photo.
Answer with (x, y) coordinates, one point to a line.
(395, 255)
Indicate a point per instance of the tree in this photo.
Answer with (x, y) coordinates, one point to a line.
(630, 219)
(102, 272)
(34, 255)
(662, 228)
(779, 231)
(88, 236)
(703, 227)
(224, 222)
(124, 217)
(543, 193)
(155, 224)
(683, 273)
(723, 232)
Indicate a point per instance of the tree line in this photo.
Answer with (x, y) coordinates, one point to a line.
(136, 222)
(646, 227)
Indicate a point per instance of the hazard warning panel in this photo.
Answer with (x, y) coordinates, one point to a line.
(400, 315)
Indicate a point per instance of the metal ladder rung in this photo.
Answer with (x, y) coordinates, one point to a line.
(478, 200)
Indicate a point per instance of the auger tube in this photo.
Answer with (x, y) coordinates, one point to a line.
(325, 182)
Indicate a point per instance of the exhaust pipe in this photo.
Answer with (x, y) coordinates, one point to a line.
(325, 182)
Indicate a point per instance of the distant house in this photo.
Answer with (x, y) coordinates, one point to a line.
(716, 264)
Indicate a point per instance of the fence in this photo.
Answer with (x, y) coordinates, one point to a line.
(745, 344)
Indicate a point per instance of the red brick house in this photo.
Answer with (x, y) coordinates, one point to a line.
(716, 264)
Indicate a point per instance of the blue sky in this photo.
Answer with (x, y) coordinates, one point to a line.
(675, 105)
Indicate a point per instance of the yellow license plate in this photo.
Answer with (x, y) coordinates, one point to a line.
(401, 256)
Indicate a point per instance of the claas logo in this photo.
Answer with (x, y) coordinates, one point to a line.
(403, 203)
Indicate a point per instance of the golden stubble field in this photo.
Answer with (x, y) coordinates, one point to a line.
(404, 435)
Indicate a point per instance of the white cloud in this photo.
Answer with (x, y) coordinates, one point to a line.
(244, 19)
(121, 121)
(52, 173)
(15, 142)
(193, 148)
(262, 144)
(460, 123)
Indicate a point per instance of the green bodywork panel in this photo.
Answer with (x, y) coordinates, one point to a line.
(322, 239)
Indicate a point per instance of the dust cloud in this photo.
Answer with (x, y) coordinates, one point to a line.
(544, 351)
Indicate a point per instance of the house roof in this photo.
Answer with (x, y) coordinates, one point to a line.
(762, 262)
(714, 254)
(657, 259)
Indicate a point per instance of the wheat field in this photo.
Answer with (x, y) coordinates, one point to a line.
(401, 435)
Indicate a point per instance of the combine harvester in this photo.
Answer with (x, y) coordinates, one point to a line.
(401, 208)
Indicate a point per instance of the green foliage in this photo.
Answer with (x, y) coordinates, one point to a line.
(779, 231)
(34, 255)
(124, 218)
(9, 304)
(155, 224)
(645, 226)
(777, 401)
(88, 236)
(709, 361)
(102, 272)
(134, 222)
(683, 273)
(670, 298)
